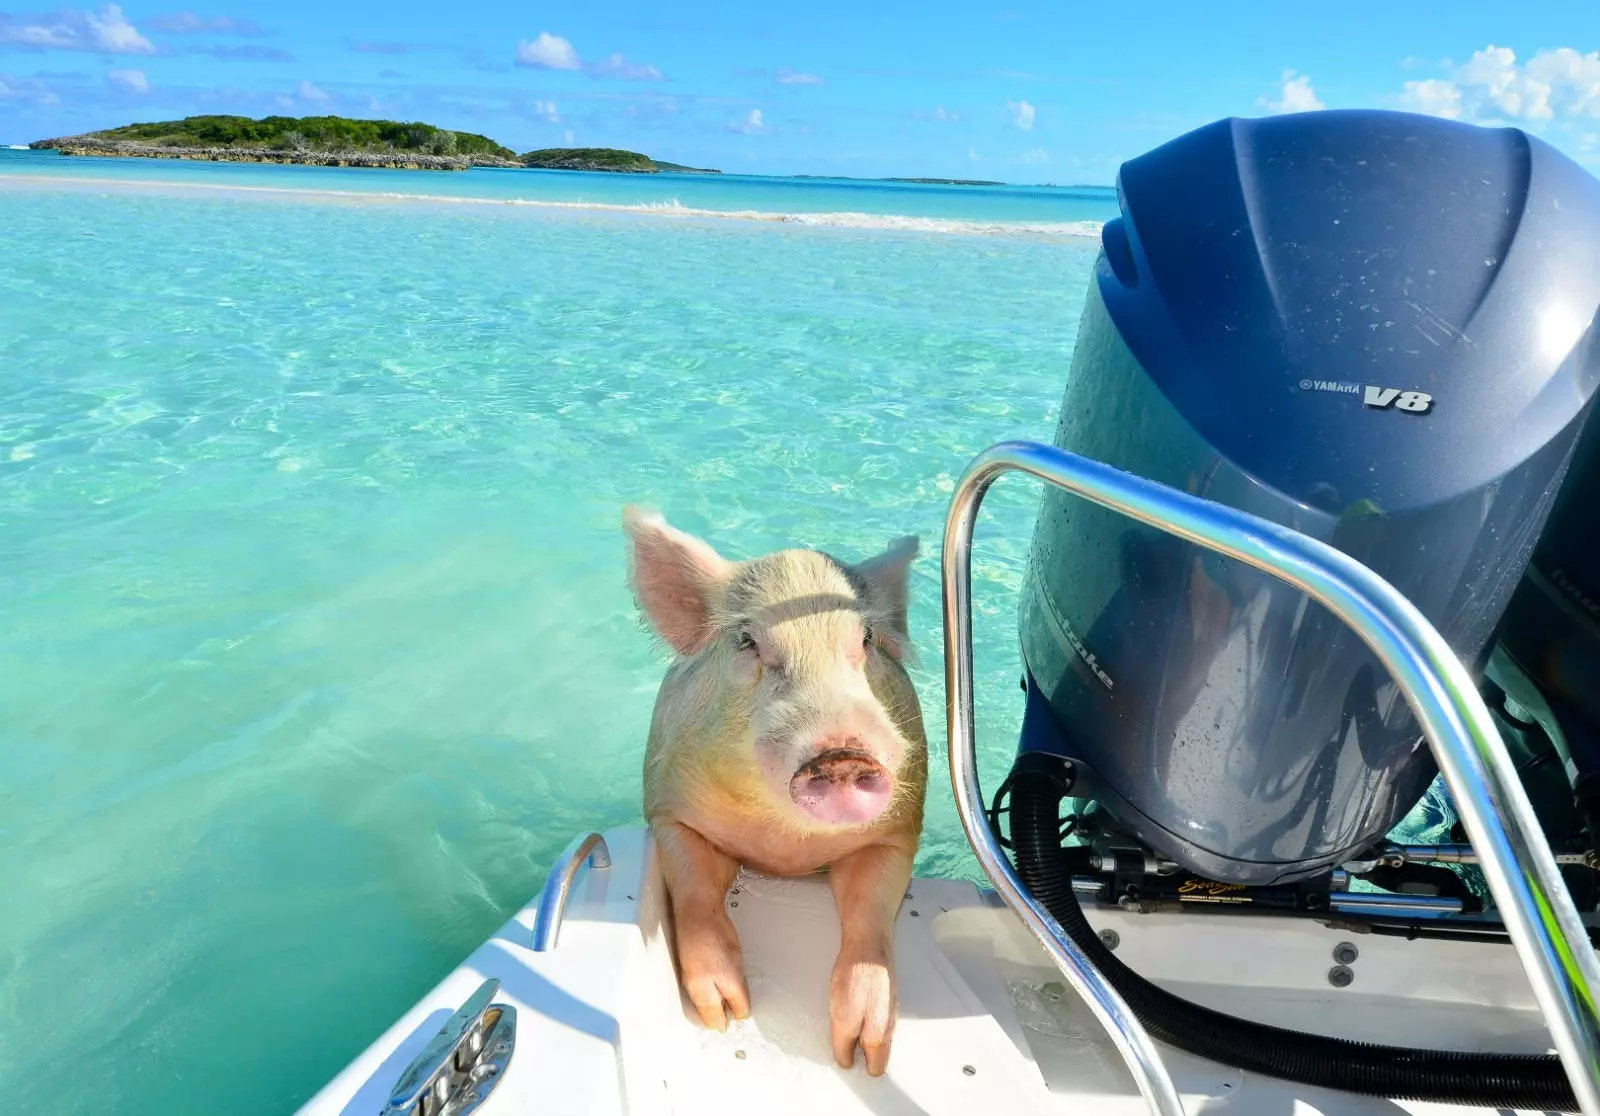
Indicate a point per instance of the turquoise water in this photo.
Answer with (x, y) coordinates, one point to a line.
(315, 647)
(1037, 210)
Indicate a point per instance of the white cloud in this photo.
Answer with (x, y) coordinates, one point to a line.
(944, 116)
(750, 124)
(1022, 113)
(972, 154)
(107, 32)
(1295, 95)
(13, 88)
(283, 102)
(546, 110)
(1572, 80)
(566, 137)
(1435, 96)
(309, 92)
(552, 52)
(114, 34)
(548, 52)
(1037, 155)
(133, 80)
(795, 77)
(26, 89)
(618, 66)
(191, 23)
(1558, 83)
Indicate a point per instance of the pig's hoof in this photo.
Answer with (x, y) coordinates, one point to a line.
(713, 977)
(842, 787)
(718, 1000)
(862, 1010)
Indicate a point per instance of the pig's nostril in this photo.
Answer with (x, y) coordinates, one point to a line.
(841, 786)
(841, 765)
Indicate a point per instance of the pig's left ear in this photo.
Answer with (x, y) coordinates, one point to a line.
(888, 576)
(674, 577)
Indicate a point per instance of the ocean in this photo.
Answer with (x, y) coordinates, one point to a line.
(315, 643)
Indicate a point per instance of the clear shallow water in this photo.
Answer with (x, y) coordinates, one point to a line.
(1034, 210)
(315, 647)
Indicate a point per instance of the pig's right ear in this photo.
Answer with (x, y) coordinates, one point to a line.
(674, 576)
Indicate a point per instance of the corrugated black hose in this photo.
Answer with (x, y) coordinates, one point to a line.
(1525, 1081)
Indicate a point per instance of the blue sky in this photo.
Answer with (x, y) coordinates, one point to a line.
(1017, 91)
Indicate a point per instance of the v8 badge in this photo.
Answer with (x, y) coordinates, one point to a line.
(1412, 402)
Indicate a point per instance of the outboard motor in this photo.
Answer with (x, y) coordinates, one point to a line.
(1369, 327)
(1375, 328)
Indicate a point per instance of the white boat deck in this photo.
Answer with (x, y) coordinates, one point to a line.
(987, 1025)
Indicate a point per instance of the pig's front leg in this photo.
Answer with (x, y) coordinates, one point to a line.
(709, 961)
(867, 888)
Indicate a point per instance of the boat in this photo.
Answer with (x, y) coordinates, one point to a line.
(1316, 532)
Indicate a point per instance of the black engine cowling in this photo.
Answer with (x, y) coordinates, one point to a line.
(1375, 328)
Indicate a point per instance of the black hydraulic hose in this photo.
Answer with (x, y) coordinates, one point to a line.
(1525, 1081)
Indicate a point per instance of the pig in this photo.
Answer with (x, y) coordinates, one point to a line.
(788, 738)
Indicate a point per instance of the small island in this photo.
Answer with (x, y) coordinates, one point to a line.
(338, 141)
(603, 159)
(946, 181)
(679, 168)
(590, 159)
(332, 141)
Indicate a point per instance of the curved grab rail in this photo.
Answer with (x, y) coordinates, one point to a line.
(1131, 1039)
(1500, 823)
(558, 887)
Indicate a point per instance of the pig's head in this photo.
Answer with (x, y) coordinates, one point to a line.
(796, 658)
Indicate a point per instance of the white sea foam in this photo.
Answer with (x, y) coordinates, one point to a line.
(1076, 230)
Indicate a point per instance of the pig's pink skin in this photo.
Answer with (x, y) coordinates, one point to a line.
(786, 737)
(842, 786)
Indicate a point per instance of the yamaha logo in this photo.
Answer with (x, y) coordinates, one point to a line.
(1378, 398)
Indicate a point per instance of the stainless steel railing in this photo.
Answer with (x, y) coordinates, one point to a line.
(590, 847)
(1521, 872)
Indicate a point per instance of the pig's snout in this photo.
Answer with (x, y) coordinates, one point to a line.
(842, 786)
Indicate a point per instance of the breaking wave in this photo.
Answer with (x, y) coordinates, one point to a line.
(1076, 230)
(849, 220)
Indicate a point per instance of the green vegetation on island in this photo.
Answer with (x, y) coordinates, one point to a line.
(309, 133)
(324, 140)
(590, 159)
(679, 168)
(603, 159)
(343, 142)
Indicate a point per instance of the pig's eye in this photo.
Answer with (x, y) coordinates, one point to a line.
(866, 635)
(746, 643)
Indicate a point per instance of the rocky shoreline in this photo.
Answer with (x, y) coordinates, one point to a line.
(398, 160)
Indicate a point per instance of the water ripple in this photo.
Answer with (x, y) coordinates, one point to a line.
(314, 642)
